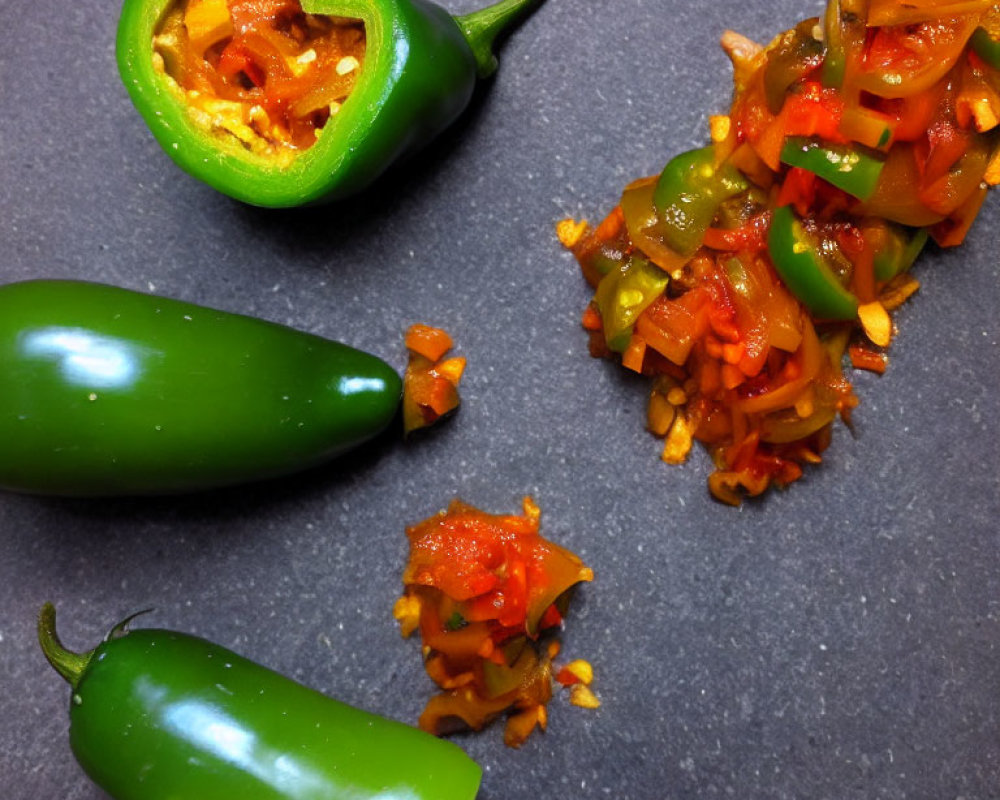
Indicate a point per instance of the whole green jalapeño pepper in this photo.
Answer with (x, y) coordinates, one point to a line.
(105, 391)
(420, 68)
(159, 715)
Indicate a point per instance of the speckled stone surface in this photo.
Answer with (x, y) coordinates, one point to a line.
(836, 640)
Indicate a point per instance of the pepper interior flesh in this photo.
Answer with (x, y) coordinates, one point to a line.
(261, 73)
(859, 135)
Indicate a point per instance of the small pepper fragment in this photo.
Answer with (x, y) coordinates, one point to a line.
(804, 270)
(847, 168)
(430, 383)
(623, 294)
(485, 588)
(689, 192)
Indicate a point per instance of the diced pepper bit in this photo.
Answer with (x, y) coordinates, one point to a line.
(898, 291)
(677, 396)
(451, 369)
(876, 322)
(407, 611)
(719, 126)
(985, 115)
(679, 440)
(581, 695)
(992, 175)
(570, 232)
(660, 414)
(582, 670)
(347, 65)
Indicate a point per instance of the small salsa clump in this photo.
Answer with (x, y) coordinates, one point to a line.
(430, 383)
(743, 275)
(484, 591)
(263, 73)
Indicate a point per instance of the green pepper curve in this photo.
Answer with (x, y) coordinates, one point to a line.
(160, 715)
(986, 47)
(689, 192)
(420, 70)
(105, 391)
(846, 167)
(623, 294)
(804, 271)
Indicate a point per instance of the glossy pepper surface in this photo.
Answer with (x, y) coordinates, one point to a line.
(421, 66)
(160, 715)
(800, 264)
(105, 391)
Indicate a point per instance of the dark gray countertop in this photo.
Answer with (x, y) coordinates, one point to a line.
(836, 640)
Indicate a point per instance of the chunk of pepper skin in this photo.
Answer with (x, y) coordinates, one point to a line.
(105, 391)
(160, 715)
(804, 271)
(420, 69)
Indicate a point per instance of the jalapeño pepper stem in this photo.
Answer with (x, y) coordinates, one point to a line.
(67, 663)
(482, 27)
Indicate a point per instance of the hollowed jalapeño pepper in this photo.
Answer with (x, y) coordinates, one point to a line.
(280, 103)
(159, 715)
(105, 391)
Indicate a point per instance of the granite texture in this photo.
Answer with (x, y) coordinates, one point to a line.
(835, 640)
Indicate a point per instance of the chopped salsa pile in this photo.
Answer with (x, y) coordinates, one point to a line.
(261, 72)
(483, 590)
(430, 384)
(743, 276)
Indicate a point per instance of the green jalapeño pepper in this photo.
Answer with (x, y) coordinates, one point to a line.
(846, 167)
(282, 104)
(804, 270)
(105, 391)
(159, 715)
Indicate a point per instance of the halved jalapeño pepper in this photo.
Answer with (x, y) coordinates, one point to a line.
(282, 103)
(105, 391)
(804, 270)
(161, 715)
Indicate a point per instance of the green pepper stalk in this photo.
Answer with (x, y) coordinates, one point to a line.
(420, 69)
(846, 167)
(160, 715)
(105, 391)
(805, 272)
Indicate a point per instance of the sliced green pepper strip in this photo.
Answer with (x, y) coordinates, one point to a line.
(420, 69)
(835, 60)
(900, 251)
(159, 715)
(845, 167)
(689, 192)
(804, 271)
(623, 294)
(986, 47)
